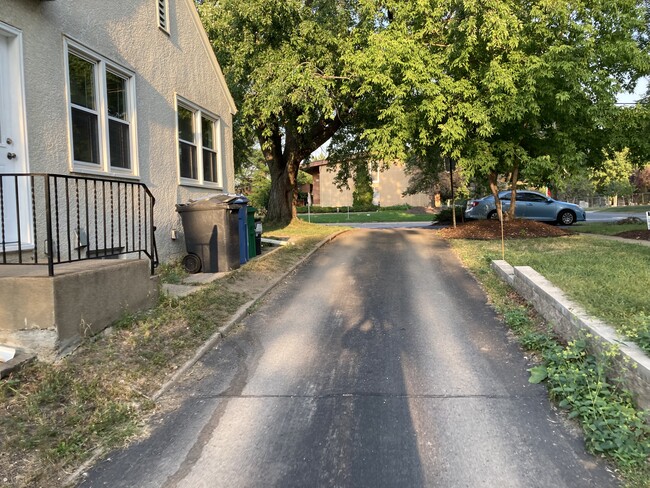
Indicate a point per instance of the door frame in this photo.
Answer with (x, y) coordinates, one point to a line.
(14, 102)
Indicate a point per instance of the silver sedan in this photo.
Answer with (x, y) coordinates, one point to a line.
(530, 205)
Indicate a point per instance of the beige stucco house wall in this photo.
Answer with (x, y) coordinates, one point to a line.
(167, 60)
(388, 186)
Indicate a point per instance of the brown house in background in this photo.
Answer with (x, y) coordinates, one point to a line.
(388, 186)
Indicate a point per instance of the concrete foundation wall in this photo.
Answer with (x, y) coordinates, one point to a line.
(570, 321)
(47, 315)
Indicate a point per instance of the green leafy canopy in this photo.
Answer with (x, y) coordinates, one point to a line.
(501, 86)
(498, 84)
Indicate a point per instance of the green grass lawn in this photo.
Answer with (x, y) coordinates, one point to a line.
(609, 279)
(357, 217)
(606, 228)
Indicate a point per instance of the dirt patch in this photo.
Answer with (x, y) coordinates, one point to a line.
(491, 229)
(629, 220)
(639, 235)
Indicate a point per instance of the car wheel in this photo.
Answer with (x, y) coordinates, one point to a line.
(566, 217)
(493, 215)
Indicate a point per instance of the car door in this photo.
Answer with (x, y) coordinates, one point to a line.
(505, 201)
(538, 207)
(520, 206)
(505, 204)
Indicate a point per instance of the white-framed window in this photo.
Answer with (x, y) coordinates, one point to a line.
(101, 103)
(199, 146)
(162, 9)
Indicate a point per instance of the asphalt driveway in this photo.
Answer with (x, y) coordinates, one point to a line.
(377, 364)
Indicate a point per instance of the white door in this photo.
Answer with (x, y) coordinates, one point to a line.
(15, 210)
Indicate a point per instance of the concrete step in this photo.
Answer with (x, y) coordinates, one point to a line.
(17, 358)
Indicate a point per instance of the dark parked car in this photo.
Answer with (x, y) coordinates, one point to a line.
(530, 205)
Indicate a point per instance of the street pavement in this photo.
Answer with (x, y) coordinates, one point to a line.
(378, 363)
(593, 216)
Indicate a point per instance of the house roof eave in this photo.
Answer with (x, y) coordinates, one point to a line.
(213, 59)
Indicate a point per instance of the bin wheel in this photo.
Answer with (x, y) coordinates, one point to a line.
(192, 263)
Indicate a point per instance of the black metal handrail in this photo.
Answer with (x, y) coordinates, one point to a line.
(54, 219)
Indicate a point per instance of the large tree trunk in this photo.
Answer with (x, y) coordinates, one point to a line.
(283, 151)
(283, 196)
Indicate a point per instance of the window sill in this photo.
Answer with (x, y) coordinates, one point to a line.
(13, 247)
(84, 170)
(198, 184)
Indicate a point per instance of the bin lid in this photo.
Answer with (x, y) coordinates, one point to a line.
(218, 200)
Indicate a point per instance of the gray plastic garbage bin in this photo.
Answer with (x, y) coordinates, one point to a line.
(211, 228)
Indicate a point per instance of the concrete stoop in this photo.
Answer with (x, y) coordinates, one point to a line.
(570, 321)
(47, 316)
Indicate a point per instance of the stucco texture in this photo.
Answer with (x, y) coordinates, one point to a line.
(124, 32)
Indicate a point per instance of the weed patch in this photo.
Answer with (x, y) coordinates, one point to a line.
(172, 273)
(611, 423)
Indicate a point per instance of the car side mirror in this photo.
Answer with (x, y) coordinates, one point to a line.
(549, 200)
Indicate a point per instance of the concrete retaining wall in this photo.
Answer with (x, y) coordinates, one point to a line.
(570, 321)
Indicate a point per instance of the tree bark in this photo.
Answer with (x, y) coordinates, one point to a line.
(282, 196)
(283, 155)
(513, 192)
(492, 179)
(283, 168)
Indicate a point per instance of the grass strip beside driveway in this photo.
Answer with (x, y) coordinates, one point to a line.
(609, 279)
(55, 416)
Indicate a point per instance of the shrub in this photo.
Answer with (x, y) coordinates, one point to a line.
(444, 217)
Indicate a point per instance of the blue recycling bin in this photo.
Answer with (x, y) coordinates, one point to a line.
(243, 228)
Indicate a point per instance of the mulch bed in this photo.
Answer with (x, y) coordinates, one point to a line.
(513, 229)
(639, 235)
